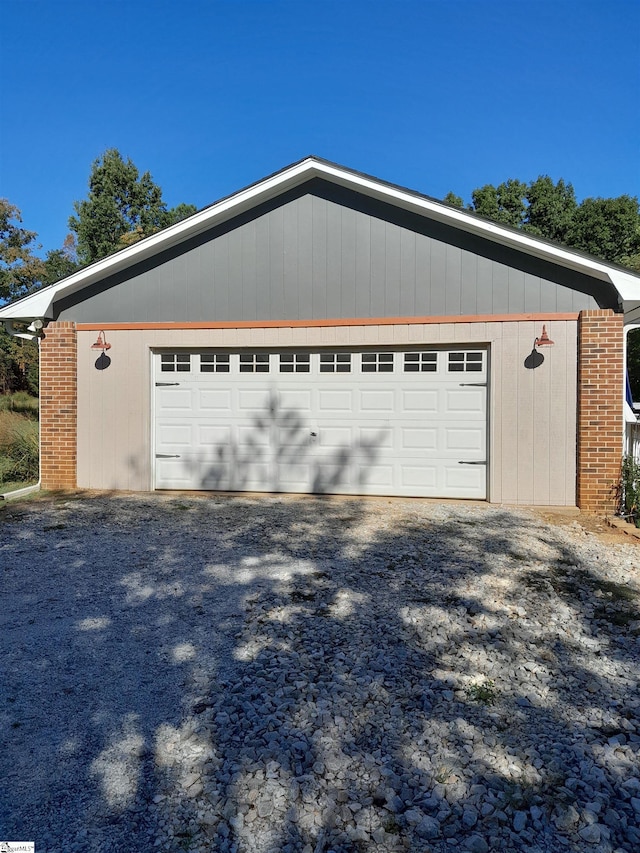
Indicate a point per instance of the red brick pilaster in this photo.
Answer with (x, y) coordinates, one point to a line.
(58, 406)
(600, 409)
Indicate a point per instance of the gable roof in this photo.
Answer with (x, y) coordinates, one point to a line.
(40, 304)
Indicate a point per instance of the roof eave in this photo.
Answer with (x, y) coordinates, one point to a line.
(40, 304)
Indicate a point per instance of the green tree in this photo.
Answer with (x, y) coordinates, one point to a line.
(60, 263)
(20, 270)
(122, 208)
(607, 227)
(178, 213)
(18, 364)
(505, 203)
(550, 208)
(453, 199)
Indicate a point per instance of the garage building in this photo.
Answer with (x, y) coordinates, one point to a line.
(322, 331)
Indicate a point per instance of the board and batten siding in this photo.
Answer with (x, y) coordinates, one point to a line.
(311, 258)
(532, 412)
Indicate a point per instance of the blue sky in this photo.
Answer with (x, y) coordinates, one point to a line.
(435, 95)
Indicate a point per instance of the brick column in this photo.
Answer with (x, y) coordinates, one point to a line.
(600, 409)
(58, 406)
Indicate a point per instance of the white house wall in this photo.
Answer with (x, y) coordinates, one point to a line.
(532, 412)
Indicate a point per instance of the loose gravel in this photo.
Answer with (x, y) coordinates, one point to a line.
(248, 675)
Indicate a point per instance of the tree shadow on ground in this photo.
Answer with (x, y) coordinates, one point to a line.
(315, 674)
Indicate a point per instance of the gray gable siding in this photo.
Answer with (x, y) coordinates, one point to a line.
(323, 252)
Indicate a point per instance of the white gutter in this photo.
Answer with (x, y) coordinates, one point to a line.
(10, 329)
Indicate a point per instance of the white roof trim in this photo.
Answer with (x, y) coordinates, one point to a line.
(40, 303)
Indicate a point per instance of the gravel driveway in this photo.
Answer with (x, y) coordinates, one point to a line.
(276, 674)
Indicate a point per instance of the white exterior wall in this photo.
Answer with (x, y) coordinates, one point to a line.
(532, 413)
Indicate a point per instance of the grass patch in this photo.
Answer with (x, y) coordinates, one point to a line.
(392, 826)
(485, 693)
(20, 403)
(616, 591)
(19, 440)
(13, 485)
(564, 578)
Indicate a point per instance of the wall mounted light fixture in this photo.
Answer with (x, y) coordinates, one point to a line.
(543, 340)
(101, 343)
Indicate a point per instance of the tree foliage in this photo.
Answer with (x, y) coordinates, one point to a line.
(550, 208)
(453, 199)
(122, 207)
(20, 270)
(18, 364)
(62, 262)
(505, 203)
(540, 207)
(608, 228)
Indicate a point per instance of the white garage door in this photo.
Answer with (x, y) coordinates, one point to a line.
(410, 422)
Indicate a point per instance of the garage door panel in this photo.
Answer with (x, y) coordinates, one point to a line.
(218, 400)
(423, 401)
(291, 443)
(298, 400)
(214, 435)
(177, 400)
(330, 401)
(465, 439)
(231, 476)
(334, 437)
(378, 401)
(216, 476)
(171, 435)
(173, 471)
(375, 476)
(294, 476)
(251, 436)
(372, 433)
(467, 479)
(255, 400)
(469, 401)
(329, 477)
(417, 438)
(419, 476)
(379, 437)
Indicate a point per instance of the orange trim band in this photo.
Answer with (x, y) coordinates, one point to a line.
(296, 324)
